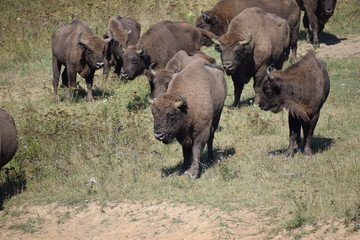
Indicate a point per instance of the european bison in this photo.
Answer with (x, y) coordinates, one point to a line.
(8, 142)
(158, 44)
(161, 78)
(302, 89)
(126, 31)
(75, 46)
(317, 13)
(190, 111)
(255, 39)
(218, 19)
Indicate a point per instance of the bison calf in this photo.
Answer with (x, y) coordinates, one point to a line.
(75, 46)
(190, 111)
(302, 89)
(8, 142)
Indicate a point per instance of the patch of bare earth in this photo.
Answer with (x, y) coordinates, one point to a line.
(144, 221)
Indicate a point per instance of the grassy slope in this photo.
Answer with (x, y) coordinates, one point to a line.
(104, 152)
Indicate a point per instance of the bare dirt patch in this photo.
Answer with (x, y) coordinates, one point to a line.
(334, 47)
(160, 221)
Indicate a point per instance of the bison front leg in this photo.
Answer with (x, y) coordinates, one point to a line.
(197, 149)
(307, 28)
(56, 68)
(89, 84)
(238, 88)
(314, 23)
(71, 77)
(294, 126)
(308, 129)
(187, 153)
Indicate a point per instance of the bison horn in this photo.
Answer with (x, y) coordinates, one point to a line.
(247, 40)
(83, 41)
(215, 41)
(268, 72)
(140, 50)
(151, 68)
(206, 17)
(151, 101)
(110, 36)
(180, 103)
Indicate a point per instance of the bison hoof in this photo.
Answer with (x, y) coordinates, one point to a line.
(191, 175)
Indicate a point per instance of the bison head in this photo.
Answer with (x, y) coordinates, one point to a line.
(211, 22)
(93, 48)
(327, 7)
(135, 62)
(232, 50)
(168, 111)
(117, 45)
(270, 94)
(159, 81)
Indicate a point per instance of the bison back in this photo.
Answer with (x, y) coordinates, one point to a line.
(8, 142)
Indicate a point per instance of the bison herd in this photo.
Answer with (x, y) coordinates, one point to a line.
(187, 88)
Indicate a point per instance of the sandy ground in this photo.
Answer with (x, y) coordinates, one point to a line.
(163, 221)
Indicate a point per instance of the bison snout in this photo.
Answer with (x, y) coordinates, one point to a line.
(229, 68)
(159, 136)
(329, 12)
(125, 75)
(99, 64)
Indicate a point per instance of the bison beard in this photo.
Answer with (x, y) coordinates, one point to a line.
(303, 92)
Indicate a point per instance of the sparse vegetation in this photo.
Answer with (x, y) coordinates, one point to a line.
(105, 151)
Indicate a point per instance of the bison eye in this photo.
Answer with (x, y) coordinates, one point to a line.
(172, 115)
(135, 61)
(89, 51)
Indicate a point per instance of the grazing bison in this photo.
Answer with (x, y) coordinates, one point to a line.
(190, 111)
(126, 31)
(317, 13)
(8, 142)
(302, 89)
(255, 39)
(161, 78)
(160, 43)
(218, 19)
(75, 46)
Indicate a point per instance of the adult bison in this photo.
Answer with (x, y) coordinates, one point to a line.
(75, 46)
(160, 43)
(317, 13)
(219, 17)
(8, 142)
(126, 31)
(255, 39)
(190, 111)
(161, 78)
(302, 89)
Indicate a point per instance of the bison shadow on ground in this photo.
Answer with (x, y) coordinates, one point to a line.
(14, 184)
(318, 145)
(324, 38)
(244, 103)
(79, 94)
(219, 155)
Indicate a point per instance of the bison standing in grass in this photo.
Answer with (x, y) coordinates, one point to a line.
(190, 111)
(317, 13)
(160, 43)
(219, 17)
(255, 39)
(126, 31)
(75, 46)
(8, 142)
(302, 89)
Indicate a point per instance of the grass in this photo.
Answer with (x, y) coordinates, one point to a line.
(105, 151)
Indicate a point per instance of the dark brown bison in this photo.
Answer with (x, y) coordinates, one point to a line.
(190, 111)
(126, 31)
(317, 13)
(302, 89)
(161, 78)
(218, 19)
(160, 43)
(8, 142)
(255, 39)
(75, 46)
